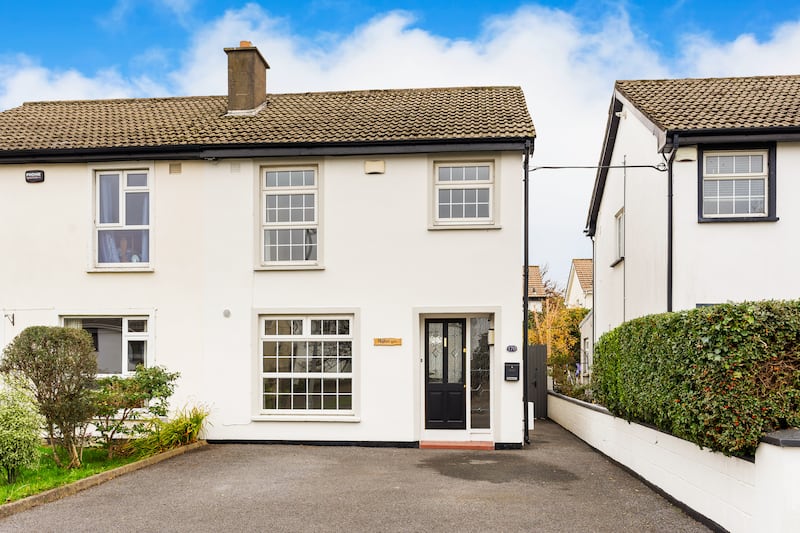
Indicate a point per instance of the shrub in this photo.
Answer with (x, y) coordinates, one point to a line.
(59, 368)
(720, 376)
(181, 430)
(20, 426)
(118, 401)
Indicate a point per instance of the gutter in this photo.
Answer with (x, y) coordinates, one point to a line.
(211, 152)
(525, 298)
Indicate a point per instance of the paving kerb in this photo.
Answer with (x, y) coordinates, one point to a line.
(558, 483)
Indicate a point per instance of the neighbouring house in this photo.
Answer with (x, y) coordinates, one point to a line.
(333, 266)
(536, 290)
(694, 201)
(579, 284)
(579, 294)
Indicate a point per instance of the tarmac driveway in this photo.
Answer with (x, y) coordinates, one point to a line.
(557, 483)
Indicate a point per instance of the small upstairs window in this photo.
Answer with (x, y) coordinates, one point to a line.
(735, 184)
(122, 217)
(464, 194)
(289, 217)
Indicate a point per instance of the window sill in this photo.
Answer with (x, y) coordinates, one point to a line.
(266, 268)
(95, 270)
(463, 226)
(305, 418)
(702, 220)
(618, 261)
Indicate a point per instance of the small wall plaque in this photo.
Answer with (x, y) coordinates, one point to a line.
(387, 341)
(34, 176)
(511, 348)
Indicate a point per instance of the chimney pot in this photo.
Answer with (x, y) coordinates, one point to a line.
(245, 44)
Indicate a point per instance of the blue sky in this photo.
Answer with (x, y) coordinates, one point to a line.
(136, 36)
(565, 54)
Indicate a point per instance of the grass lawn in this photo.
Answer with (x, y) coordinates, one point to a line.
(47, 475)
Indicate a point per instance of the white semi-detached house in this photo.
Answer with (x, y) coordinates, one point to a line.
(720, 222)
(336, 266)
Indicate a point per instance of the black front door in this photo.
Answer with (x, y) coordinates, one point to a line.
(445, 388)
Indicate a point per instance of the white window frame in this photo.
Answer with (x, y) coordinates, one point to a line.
(123, 171)
(463, 185)
(763, 175)
(126, 336)
(266, 225)
(309, 374)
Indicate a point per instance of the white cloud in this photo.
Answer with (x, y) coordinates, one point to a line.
(744, 56)
(566, 70)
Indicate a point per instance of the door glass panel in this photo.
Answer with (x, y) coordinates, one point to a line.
(435, 352)
(455, 351)
(479, 373)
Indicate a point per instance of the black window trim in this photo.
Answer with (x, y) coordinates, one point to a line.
(771, 215)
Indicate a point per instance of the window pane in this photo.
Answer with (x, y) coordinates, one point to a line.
(284, 179)
(297, 178)
(756, 163)
(741, 164)
(123, 246)
(435, 361)
(470, 173)
(109, 199)
(725, 188)
(710, 207)
(483, 173)
(107, 338)
(480, 376)
(712, 164)
(483, 210)
(710, 189)
(726, 207)
(457, 173)
(137, 326)
(757, 187)
(137, 210)
(742, 187)
(457, 211)
(136, 351)
(272, 179)
(344, 327)
(725, 164)
(137, 180)
(444, 173)
(483, 195)
(741, 207)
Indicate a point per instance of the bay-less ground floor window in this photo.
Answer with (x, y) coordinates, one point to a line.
(120, 342)
(306, 364)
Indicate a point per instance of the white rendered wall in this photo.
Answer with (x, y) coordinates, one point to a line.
(381, 262)
(736, 494)
(637, 285)
(732, 262)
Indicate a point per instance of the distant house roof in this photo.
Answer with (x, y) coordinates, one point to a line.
(535, 283)
(708, 110)
(199, 126)
(583, 270)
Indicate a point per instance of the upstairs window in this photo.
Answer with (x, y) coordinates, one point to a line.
(619, 235)
(289, 217)
(463, 194)
(735, 184)
(122, 218)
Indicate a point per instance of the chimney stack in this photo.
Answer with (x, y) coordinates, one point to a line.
(247, 77)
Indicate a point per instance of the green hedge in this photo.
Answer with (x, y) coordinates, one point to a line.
(719, 376)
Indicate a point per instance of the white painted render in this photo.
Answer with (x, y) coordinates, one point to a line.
(739, 495)
(635, 286)
(380, 261)
(733, 262)
(714, 262)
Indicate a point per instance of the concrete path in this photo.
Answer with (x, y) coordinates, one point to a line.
(556, 484)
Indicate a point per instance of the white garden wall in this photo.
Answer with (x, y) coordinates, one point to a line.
(736, 494)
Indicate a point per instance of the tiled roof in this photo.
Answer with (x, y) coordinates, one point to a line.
(583, 269)
(717, 103)
(479, 113)
(535, 283)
